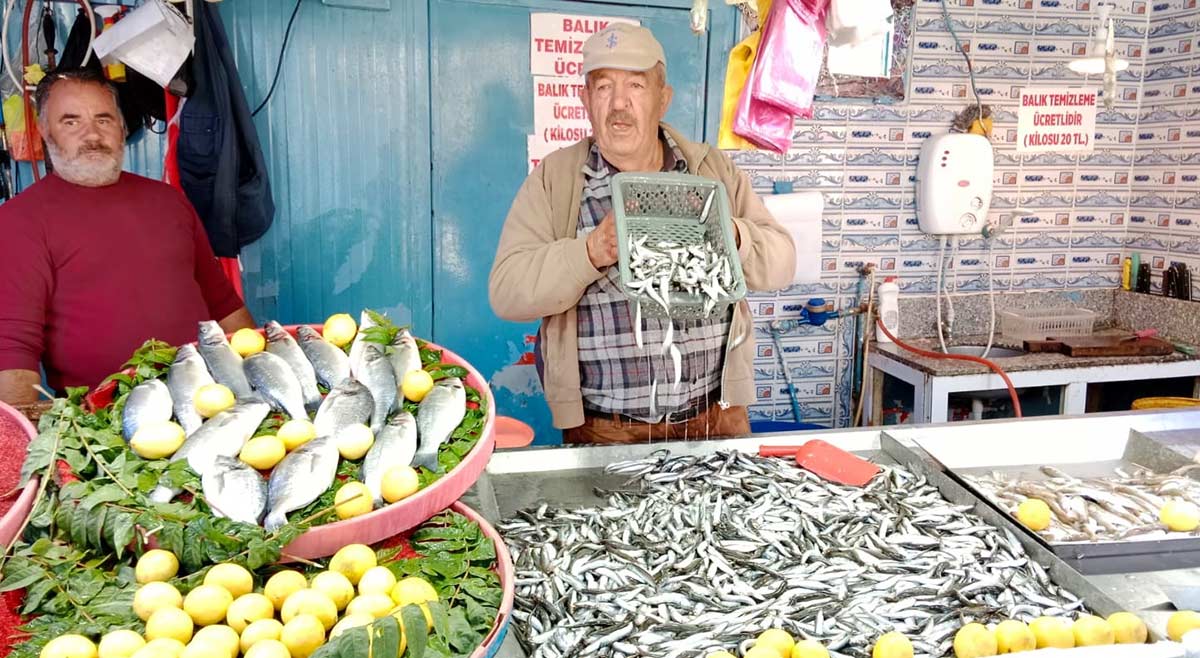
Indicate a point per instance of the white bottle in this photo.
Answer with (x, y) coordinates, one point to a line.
(889, 309)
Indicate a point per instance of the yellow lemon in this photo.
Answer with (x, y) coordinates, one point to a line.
(416, 385)
(1128, 628)
(218, 635)
(809, 649)
(761, 652)
(399, 482)
(155, 566)
(1034, 514)
(163, 647)
(302, 635)
(247, 609)
(1179, 516)
(207, 604)
(374, 605)
(892, 645)
(348, 622)
(296, 432)
(398, 613)
(413, 589)
(339, 329)
(263, 452)
(154, 596)
(974, 641)
(377, 580)
(170, 623)
(1091, 631)
(157, 439)
(263, 629)
(1052, 632)
(269, 649)
(204, 650)
(309, 602)
(212, 399)
(1013, 636)
(247, 341)
(233, 577)
(353, 441)
(69, 646)
(120, 644)
(334, 585)
(353, 499)
(352, 561)
(778, 639)
(1181, 622)
(282, 585)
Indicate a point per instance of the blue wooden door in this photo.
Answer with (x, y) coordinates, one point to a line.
(482, 111)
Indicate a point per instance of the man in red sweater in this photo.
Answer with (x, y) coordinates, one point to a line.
(94, 260)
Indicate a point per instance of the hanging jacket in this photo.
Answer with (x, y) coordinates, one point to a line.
(221, 165)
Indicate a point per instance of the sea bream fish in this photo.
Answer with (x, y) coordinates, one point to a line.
(329, 362)
(224, 364)
(234, 490)
(405, 356)
(438, 416)
(185, 376)
(281, 344)
(300, 478)
(223, 434)
(275, 382)
(377, 375)
(394, 446)
(148, 402)
(349, 403)
(358, 347)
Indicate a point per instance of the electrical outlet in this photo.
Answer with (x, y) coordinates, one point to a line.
(373, 5)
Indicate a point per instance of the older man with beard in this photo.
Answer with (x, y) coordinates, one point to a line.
(94, 260)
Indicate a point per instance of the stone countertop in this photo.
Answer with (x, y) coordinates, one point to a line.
(1024, 362)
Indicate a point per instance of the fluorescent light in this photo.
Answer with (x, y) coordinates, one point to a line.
(1095, 65)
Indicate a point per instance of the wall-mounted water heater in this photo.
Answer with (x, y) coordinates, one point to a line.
(954, 184)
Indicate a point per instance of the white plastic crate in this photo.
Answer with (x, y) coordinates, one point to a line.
(1043, 323)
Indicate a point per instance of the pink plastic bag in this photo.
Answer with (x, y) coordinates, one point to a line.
(789, 63)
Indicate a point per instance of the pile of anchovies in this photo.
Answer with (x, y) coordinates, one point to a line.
(701, 553)
(664, 267)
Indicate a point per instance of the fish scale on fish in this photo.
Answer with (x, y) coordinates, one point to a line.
(438, 415)
(274, 381)
(394, 446)
(148, 402)
(329, 362)
(223, 435)
(235, 490)
(186, 375)
(300, 478)
(349, 403)
(377, 375)
(281, 344)
(224, 363)
(405, 356)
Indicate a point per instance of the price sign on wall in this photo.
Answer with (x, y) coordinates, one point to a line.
(1062, 120)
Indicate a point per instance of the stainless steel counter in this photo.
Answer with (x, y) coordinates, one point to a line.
(567, 476)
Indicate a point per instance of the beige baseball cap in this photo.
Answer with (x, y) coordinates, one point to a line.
(624, 47)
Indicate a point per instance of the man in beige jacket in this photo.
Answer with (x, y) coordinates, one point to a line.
(557, 256)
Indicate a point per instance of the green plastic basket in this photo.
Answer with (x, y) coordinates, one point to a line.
(669, 207)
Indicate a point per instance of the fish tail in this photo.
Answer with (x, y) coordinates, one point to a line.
(275, 519)
(162, 494)
(426, 459)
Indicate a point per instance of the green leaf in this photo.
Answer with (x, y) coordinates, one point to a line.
(19, 573)
(35, 594)
(110, 493)
(119, 531)
(95, 527)
(385, 637)
(41, 451)
(79, 525)
(415, 630)
(461, 637)
(441, 618)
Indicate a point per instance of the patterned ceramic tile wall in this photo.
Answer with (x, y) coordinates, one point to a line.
(1071, 215)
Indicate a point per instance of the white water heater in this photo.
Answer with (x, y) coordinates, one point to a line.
(954, 184)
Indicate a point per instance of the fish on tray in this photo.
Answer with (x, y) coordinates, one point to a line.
(185, 376)
(439, 414)
(224, 363)
(395, 446)
(148, 402)
(234, 490)
(223, 435)
(275, 381)
(329, 362)
(281, 344)
(300, 478)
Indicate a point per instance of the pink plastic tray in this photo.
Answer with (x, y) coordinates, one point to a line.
(504, 567)
(16, 441)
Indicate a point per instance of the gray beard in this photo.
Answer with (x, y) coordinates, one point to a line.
(80, 171)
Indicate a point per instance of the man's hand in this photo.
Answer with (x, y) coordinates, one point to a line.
(16, 386)
(602, 243)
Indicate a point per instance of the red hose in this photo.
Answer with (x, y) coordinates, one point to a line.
(1012, 390)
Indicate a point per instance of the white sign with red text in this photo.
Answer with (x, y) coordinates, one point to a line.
(1059, 119)
(556, 41)
(558, 113)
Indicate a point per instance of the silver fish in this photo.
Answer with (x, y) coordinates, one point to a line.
(224, 364)
(281, 343)
(438, 416)
(405, 357)
(349, 402)
(186, 375)
(329, 362)
(377, 374)
(360, 343)
(276, 383)
(234, 490)
(395, 446)
(299, 479)
(148, 402)
(223, 434)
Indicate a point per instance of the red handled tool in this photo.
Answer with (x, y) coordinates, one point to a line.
(826, 460)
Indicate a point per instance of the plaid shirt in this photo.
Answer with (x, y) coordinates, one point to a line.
(616, 375)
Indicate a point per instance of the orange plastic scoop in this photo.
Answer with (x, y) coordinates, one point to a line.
(827, 461)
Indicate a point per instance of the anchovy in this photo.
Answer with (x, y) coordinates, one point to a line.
(281, 344)
(148, 402)
(329, 362)
(234, 490)
(186, 375)
(395, 446)
(438, 416)
(275, 382)
(223, 435)
(224, 364)
(300, 478)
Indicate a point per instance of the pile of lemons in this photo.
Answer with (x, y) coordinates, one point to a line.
(778, 643)
(224, 617)
(975, 640)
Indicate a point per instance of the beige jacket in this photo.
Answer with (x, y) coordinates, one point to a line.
(542, 269)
